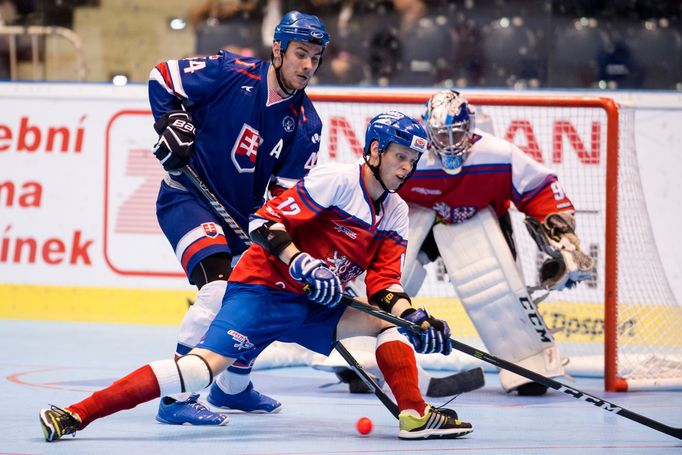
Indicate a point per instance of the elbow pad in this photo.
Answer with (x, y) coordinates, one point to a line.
(274, 241)
(386, 299)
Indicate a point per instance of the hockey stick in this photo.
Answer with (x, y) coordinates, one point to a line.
(217, 206)
(533, 376)
(367, 379)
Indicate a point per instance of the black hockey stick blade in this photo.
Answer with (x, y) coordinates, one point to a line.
(367, 379)
(533, 376)
(456, 383)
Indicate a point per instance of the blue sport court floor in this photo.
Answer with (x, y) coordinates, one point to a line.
(61, 363)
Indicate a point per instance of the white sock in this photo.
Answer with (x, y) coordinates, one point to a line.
(232, 383)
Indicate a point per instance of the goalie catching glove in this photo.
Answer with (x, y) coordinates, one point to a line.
(322, 285)
(567, 265)
(436, 336)
(176, 140)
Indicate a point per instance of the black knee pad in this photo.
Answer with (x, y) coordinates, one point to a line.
(212, 268)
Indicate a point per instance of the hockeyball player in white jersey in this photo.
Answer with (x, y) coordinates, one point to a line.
(333, 225)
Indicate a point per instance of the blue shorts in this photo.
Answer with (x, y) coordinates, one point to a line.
(192, 227)
(253, 316)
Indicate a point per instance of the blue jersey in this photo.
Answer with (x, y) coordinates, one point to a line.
(242, 142)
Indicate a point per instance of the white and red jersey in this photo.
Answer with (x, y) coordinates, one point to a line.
(495, 174)
(330, 215)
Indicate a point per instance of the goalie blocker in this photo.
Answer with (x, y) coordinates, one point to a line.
(485, 277)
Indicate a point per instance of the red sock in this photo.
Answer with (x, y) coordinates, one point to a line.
(396, 361)
(138, 387)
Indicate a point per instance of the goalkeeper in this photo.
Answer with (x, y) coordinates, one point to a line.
(459, 199)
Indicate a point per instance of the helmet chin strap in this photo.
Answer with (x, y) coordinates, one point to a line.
(278, 75)
(377, 174)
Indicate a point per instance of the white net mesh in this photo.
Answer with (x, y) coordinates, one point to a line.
(649, 318)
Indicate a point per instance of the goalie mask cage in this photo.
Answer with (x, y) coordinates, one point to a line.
(624, 321)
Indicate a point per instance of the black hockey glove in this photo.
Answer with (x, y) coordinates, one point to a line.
(176, 140)
(436, 336)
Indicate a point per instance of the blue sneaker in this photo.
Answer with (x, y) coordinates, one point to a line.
(248, 400)
(188, 412)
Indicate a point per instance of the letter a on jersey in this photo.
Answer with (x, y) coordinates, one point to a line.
(245, 150)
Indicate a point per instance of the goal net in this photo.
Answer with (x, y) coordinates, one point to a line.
(624, 321)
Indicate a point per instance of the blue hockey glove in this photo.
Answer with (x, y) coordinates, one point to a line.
(176, 140)
(325, 286)
(436, 338)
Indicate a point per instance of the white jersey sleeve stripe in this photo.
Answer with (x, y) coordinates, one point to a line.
(156, 75)
(174, 69)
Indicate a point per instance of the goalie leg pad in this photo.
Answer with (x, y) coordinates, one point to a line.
(485, 278)
(189, 374)
(547, 363)
(200, 315)
(421, 221)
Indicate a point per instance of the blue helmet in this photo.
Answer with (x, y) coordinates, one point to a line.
(296, 26)
(393, 126)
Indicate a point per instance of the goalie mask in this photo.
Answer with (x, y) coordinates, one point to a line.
(450, 122)
(394, 127)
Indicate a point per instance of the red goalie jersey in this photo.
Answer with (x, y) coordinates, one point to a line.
(330, 216)
(495, 174)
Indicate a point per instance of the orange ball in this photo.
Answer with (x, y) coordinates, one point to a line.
(364, 425)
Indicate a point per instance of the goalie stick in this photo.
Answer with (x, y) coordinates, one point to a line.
(551, 383)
